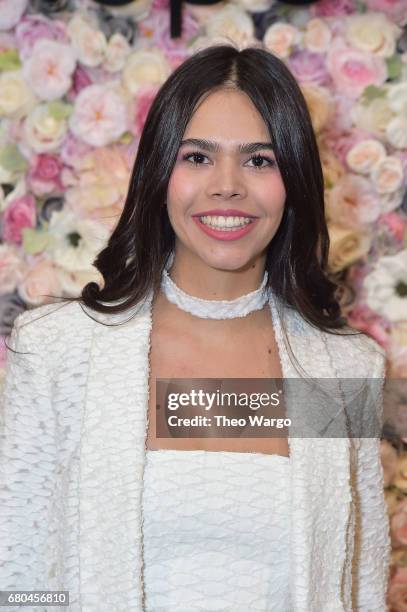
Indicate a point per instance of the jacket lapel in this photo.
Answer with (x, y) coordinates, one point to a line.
(112, 464)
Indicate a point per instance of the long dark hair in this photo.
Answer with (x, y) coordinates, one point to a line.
(133, 260)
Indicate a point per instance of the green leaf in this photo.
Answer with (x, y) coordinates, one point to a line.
(59, 110)
(11, 159)
(394, 66)
(370, 93)
(34, 241)
(10, 60)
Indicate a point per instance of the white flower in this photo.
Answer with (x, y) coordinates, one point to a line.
(281, 37)
(99, 116)
(89, 43)
(372, 32)
(397, 97)
(75, 242)
(396, 132)
(364, 155)
(117, 52)
(42, 131)
(49, 69)
(374, 117)
(386, 287)
(16, 98)
(232, 23)
(253, 6)
(145, 67)
(317, 36)
(387, 175)
(11, 12)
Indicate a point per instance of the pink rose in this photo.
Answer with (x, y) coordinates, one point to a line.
(332, 8)
(20, 213)
(33, 27)
(341, 142)
(396, 224)
(80, 80)
(308, 67)
(352, 70)
(397, 596)
(398, 524)
(362, 318)
(41, 281)
(12, 268)
(142, 103)
(396, 10)
(44, 174)
(72, 150)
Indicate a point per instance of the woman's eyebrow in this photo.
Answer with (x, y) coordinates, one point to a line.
(213, 147)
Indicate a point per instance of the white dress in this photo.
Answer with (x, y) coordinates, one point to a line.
(215, 530)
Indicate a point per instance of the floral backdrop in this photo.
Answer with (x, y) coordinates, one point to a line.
(76, 82)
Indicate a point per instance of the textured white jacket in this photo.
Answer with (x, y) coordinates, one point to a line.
(72, 457)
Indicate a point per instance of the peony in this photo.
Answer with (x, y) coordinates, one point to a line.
(353, 201)
(364, 155)
(317, 36)
(372, 32)
(346, 246)
(42, 131)
(20, 213)
(387, 174)
(145, 67)
(49, 69)
(40, 281)
(233, 23)
(11, 13)
(281, 38)
(44, 175)
(36, 27)
(384, 286)
(16, 98)
(352, 70)
(11, 268)
(319, 105)
(89, 43)
(99, 116)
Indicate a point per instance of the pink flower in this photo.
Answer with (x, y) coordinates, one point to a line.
(332, 8)
(20, 213)
(341, 142)
(80, 80)
(396, 224)
(398, 590)
(12, 267)
(362, 318)
(396, 10)
(308, 67)
(142, 104)
(11, 12)
(44, 174)
(352, 70)
(33, 27)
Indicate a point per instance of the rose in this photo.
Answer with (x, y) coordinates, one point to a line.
(373, 117)
(20, 213)
(40, 282)
(352, 70)
(397, 97)
(308, 67)
(42, 131)
(49, 69)
(99, 116)
(332, 8)
(346, 246)
(319, 105)
(233, 23)
(396, 132)
(32, 28)
(44, 174)
(388, 455)
(142, 103)
(317, 36)
(396, 10)
(353, 201)
(89, 43)
(117, 51)
(16, 98)
(387, 174)
(280, 38)
(11, 12)
(145, 67)
(372, 32)
(364, 155)
(11, 268)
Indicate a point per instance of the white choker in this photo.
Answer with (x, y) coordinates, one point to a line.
(214, 309)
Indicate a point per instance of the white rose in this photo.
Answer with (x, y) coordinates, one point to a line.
(145, 67)
(317, 36)
(16, 98)
(364, 155)
(232, 23)
(280, 38)
(117, 52)
(396, 132)
(397, 97)
(387, 175)
(372, 32)
(346, 245)
(374, 117)
(89, 43)
(42, 132)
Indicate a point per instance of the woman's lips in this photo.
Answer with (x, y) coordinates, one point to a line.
(220, 234)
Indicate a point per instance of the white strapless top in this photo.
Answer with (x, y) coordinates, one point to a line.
(216, 531)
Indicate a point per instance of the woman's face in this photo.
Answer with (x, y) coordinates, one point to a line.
(228, 187)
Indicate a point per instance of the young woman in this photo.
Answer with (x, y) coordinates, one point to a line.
(217, 268)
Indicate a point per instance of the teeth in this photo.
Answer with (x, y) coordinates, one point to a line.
(226, 223)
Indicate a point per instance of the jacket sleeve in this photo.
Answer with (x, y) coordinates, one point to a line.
(371, 562)
(27, 459)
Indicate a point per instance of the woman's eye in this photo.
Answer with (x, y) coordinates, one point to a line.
(260, 158)
(195, 155)
(197, 160)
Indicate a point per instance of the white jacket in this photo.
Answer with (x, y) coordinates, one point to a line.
(72, 457)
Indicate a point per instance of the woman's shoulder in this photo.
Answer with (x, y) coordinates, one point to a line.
(48, 318)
